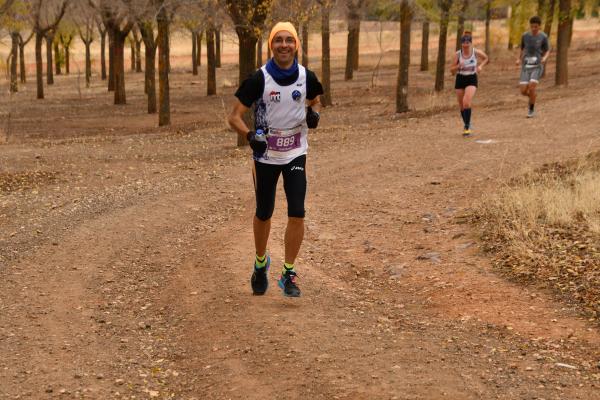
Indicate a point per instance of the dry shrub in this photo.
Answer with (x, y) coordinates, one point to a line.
(545, 227)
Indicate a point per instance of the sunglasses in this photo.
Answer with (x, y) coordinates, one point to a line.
(466, 39)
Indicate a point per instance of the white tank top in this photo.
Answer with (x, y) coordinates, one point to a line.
(282, 110)
(470, 63)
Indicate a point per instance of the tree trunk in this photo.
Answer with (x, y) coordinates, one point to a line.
(150, 66)
(67, 60)
(14, 53)
(425, 46)
(325, 57)
(269, 55)
(218, 48)
(488, 18)
(402, 87)
(164, 109)
(88, 64)
(356, 51)
(138, 55)
(39, 37)
(353, 29)
(562, 42)
(259, 51)
(305, 44)
(440, 69)
(118, 65)
(49, 62)
(512, 23)
(57, 58)
(550, 18)
(247, 54)
(460, 28)
(247, 63)
(103, 55)
(199, 48)
(211, 71)
(23, 74)
(111, 62)
(571, 30)
(194, 54)
(132, 44)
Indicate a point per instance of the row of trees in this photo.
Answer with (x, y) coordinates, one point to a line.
(57, 22)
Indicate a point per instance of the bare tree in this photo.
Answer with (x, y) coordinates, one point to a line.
(163, 20)
(85, 22)
(45, 16)
(247, 16)
(150, 44)
(425, 45)
(353, 15)
(191, 17)
(66, 39)
(14, 86)
(211, 61)
(562, 42)
(550, 18)
(326, 49)
(57, 57)
(445, 6)
(406, 15)
(22, 68)
(118, 22)
(460, 27)
(131, 41)
(102, 33)
(138, 49)
(49, 63)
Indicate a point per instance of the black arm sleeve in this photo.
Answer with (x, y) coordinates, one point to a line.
(522, 42)
(313, 86)
(251, 89)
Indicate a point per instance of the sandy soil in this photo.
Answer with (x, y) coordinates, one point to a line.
(126, 250)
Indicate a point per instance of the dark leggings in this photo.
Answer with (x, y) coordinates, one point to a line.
(294, 184)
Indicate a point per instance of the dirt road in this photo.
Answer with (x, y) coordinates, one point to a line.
(125, 260)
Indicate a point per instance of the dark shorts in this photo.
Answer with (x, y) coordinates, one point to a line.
(462, 81)
(294, 184)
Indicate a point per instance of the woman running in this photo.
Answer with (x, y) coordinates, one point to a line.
(468, 61)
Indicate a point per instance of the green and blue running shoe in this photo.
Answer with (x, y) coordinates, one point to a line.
(260, 279)
(287, 283)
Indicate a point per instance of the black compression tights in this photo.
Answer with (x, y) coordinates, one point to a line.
(294, 184)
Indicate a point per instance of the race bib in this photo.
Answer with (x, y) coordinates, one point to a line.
(531, 60)
(283, 142)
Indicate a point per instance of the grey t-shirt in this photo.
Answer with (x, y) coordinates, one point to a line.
(534, 47)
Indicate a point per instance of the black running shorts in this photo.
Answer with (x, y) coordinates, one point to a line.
(294, 184)
(462, 81)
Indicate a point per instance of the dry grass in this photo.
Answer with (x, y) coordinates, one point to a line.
(545, 227)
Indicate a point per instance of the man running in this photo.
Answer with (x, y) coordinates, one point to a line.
(535, 50)
(468, 62)
(280, 90)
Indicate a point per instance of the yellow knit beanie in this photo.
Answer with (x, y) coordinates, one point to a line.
(285, 26)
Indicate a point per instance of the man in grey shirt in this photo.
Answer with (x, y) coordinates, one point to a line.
(534, 53)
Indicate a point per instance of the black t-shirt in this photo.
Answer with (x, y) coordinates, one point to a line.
(253, 87)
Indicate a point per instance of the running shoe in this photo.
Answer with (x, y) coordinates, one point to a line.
(467, 132)
(530, 114)
(287, 283)
(260, 279)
